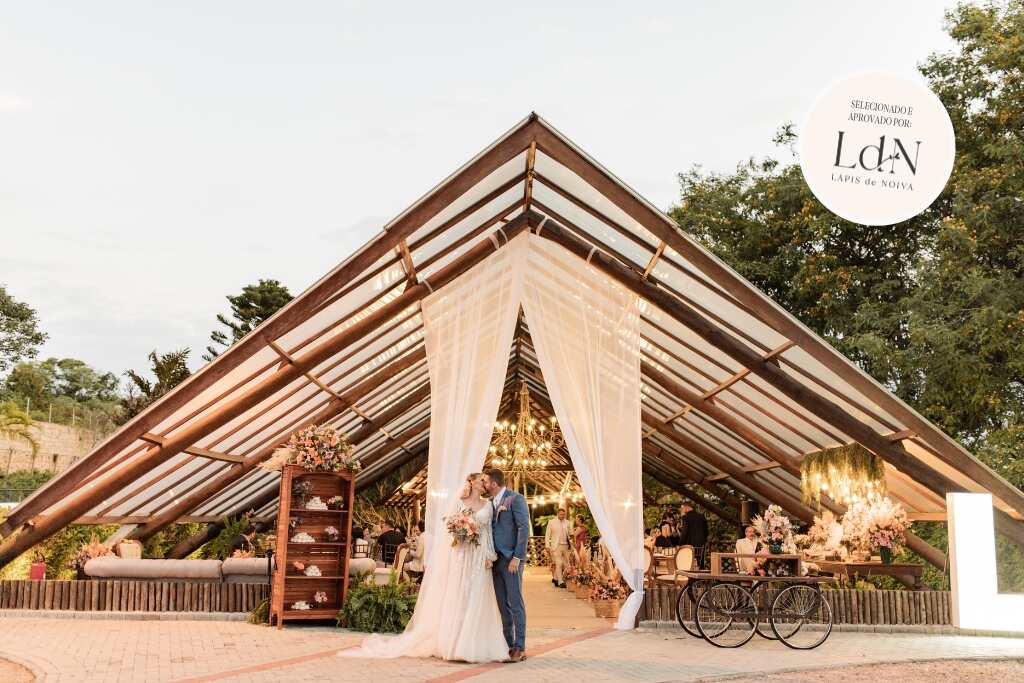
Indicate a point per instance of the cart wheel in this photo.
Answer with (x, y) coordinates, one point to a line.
(763, 596)
(801, 617)
(686, 606)
(726, 615)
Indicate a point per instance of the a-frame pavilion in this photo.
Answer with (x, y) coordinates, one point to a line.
(736, 390)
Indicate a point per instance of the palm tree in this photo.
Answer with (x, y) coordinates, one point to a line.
(170, 369)
(15, 424)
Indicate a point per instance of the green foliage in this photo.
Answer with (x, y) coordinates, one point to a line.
(255, 304)
(221, 547)
(260, 614)
(27, 480)
(170, 370)
(933, 308)
(378, 609)
(16, 425)
(20, 336)
(65, 390)
(160, 543)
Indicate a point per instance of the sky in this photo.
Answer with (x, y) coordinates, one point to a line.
(156, 158)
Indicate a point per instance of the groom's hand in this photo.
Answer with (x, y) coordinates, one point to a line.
(513, 565)
(488, 564)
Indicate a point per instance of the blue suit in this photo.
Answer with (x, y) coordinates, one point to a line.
(510, 525)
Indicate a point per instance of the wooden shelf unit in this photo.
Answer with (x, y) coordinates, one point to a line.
(289, 585)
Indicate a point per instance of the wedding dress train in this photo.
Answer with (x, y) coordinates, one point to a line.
(456, 614)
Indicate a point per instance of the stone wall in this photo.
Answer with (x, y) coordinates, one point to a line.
(59, 446)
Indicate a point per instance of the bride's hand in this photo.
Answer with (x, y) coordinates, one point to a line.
(488, 564)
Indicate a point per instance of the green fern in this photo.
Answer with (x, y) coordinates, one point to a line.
(379, 609)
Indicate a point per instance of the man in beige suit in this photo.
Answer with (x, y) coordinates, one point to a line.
(557, 542)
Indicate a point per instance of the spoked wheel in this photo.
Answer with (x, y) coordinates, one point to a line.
(726, 615)
(763, 594)
(686, 606)
(801, 617)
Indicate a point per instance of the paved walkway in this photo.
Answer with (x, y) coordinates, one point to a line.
(565, 642)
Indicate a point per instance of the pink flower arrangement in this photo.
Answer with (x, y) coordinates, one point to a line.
(462, 527)
(774, 528)
(322, 449)
(320, 597)
(880, 523)
(609, 590)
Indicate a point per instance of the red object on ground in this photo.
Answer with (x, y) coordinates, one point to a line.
(37, 572)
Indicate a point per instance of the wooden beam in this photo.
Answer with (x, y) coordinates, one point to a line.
(775, 316)
(654, 259)
(531, 157)
(760, 467)
(407, 263)
(218, 484)
(76, 505)
(295, 312)
(189, 545)
(813, 402)
(194, 450)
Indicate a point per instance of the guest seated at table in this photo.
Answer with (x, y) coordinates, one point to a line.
(389, 540)
(661, 539)
(417, 550)
(360, 546)
(648, 539)
(748, 545)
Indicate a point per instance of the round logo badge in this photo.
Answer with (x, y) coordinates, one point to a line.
(877, 149)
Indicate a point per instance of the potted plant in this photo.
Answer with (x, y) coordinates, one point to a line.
(584, 582)
(37, 571)
(607, 597)
(569, 576)
(336, 503)
(89, 551)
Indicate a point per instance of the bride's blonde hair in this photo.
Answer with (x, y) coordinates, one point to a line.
(468, 486)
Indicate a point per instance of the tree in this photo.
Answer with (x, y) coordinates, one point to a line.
(20, 336)
(255, 304)
(170, 370)
(16, 425)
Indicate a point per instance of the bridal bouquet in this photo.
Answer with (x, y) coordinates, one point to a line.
(462, 528)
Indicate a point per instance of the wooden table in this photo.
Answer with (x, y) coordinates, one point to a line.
(910, 573)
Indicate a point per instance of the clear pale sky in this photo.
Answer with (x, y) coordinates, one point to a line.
(154, 159)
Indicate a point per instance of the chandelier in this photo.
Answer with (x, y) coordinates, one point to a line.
(526, 444)
(847, 474)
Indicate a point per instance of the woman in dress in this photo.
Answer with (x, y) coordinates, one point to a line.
(461, 621)
(580, 534)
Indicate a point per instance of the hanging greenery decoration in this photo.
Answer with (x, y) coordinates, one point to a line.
(845, 473)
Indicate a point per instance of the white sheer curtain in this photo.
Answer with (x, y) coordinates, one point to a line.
(468, 327)
(585, 328)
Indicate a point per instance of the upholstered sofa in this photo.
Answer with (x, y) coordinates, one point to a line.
(232, 570)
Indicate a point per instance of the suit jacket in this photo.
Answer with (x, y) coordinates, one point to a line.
(557, 533)
(510, 524)
(695, 529)
(389, 542)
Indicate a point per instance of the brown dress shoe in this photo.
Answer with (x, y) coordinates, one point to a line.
(516, 656)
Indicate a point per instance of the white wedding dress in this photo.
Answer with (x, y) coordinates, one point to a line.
(457, 615)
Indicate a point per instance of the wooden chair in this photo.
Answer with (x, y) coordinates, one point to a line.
(683, 562)
(648, 567)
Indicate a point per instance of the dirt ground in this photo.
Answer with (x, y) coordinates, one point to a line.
(942, 671)
(14, 673)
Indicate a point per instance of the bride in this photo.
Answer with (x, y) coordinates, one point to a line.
(456, 614)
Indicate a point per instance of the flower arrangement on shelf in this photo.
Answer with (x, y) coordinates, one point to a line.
(301, 605)
(303, 537)
(336, 503)
(294, 523)
(312, 570)
(320, 597)
(89, 551)
(322, 449)
(332, 534)
(774, 530)
(462, 527)
(299, 566)
(301, 490)
(316, 503)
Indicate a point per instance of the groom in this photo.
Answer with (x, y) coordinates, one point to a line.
(510, 523)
